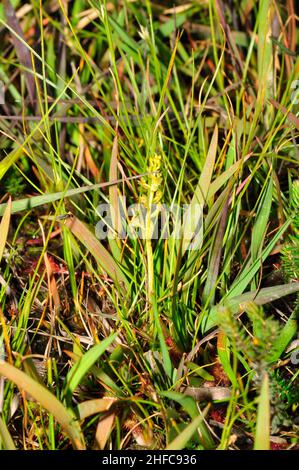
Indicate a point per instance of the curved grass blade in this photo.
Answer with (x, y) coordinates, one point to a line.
(47, 400)
(249, 271)
(287, 334)
(262, 297)
(5, 437)
(224, 177)
(200, 194)
(91, 407)
(102, 256)
(104, 428)
(189, 404)
(15, 154)
(224, 355)
(182, 439)
(80, 368)
(260, 227)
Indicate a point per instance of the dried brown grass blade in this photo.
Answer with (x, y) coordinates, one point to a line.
(99, 252)
(22, 51)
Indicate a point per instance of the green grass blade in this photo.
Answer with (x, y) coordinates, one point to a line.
(262, 219)
(47, 400)
(80, 368)
(13, 156)
(201, 191)
(188, 403)
(5, 436)
(262, 297)
(288, 332)
(247, 274)
(224, 355)
(262, 433)
(184, 437)
(36, 201)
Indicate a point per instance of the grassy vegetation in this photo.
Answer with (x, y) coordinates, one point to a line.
(137, 342)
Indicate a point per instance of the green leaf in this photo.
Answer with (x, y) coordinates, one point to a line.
(234, 169)
(182, 439)
(264, 46)
(287, 333)
(80, 368)
(47, 400)
(249, 271)
(190, 406)
(36, 201)
(132, 47)
(224, 357)
(260, 226)
(5, 437)
(200, 194)
(262, 297)
(185, 401)
(262, 433)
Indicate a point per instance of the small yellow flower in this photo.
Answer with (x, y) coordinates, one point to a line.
(153, 182)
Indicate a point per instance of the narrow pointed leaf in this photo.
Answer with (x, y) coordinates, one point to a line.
(36, 201)
(184, 437)
(4, 227)
(262, 297)
(5, 436)
(47, 400)
(81, 367)
(98, 405)
(262, 433)
(99, 252)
